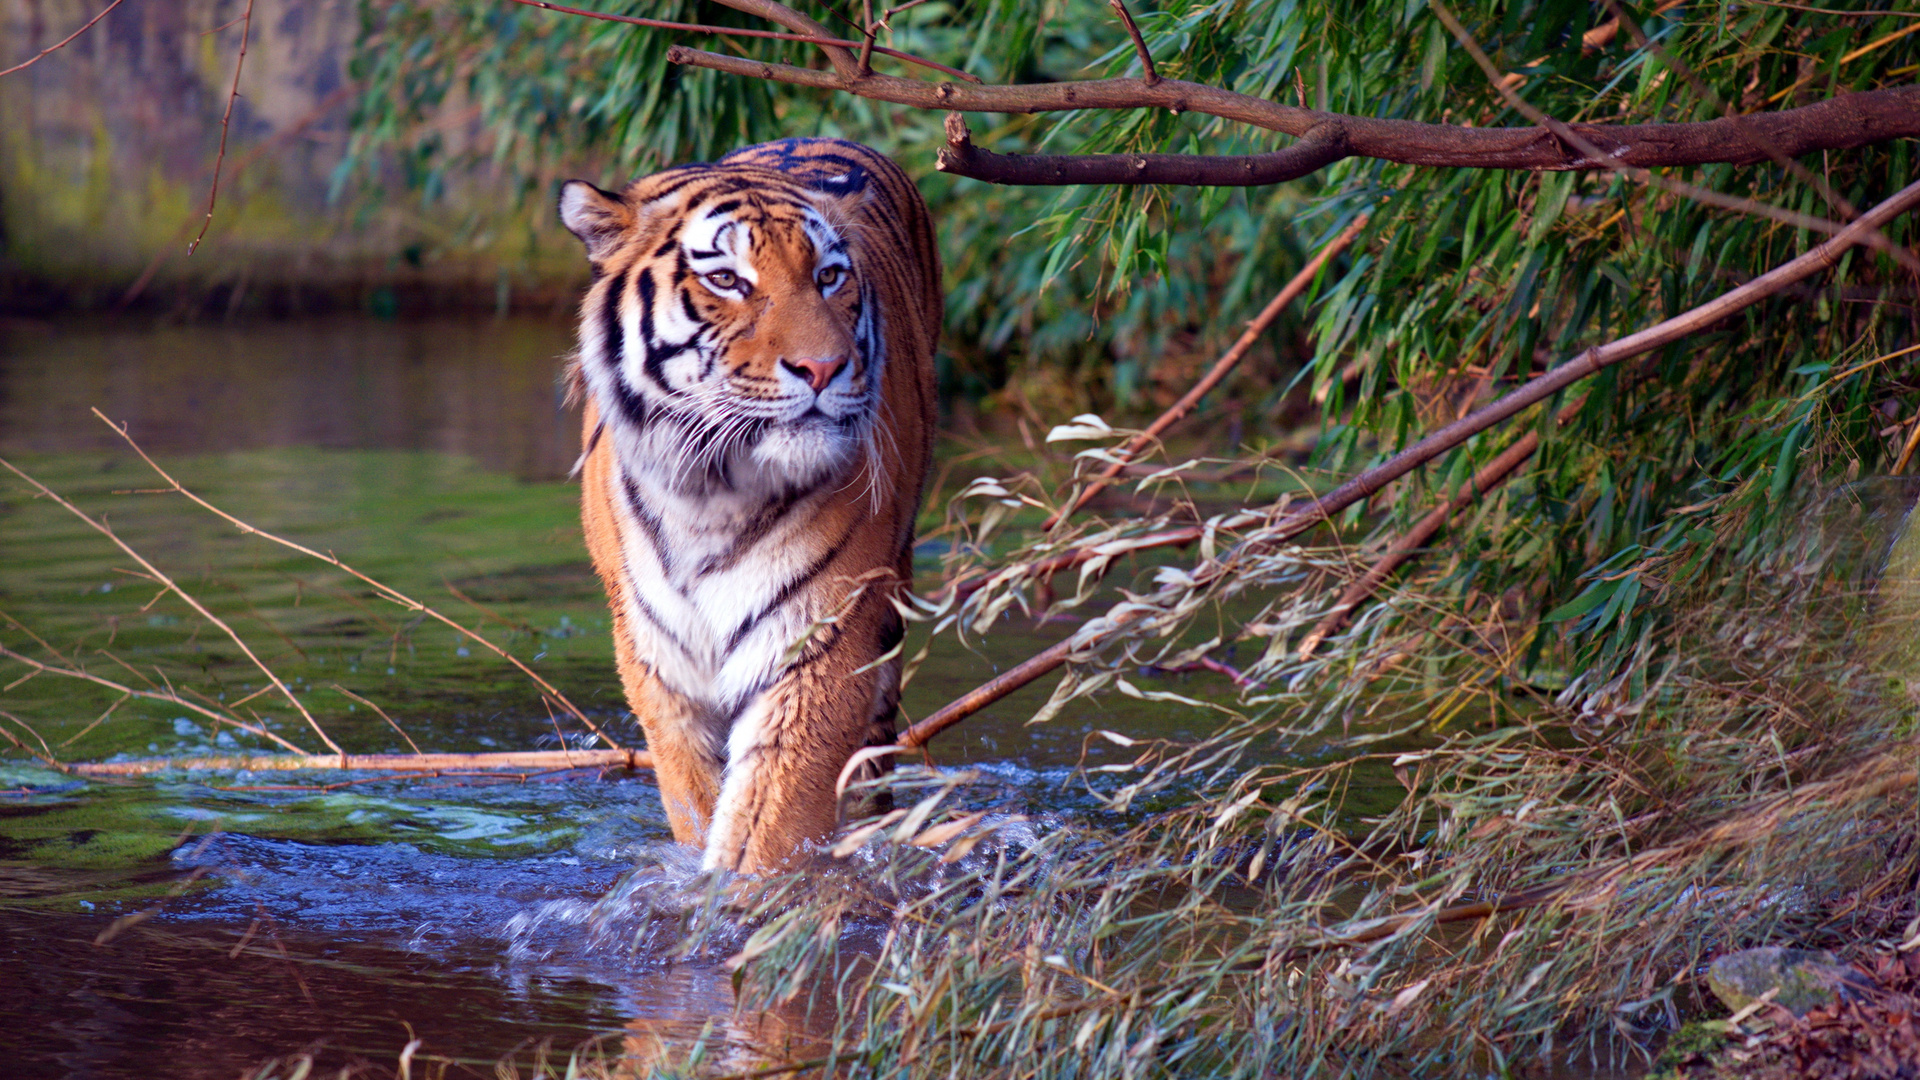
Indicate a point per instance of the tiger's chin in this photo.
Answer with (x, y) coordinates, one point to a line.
(806, 453)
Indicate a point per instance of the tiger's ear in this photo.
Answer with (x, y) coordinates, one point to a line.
(597, 217)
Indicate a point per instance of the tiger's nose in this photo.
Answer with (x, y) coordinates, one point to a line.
(817, 373)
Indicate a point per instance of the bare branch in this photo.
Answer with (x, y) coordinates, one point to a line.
(226, 120)
(101, 528)
(1366, 484)
(1320, 148)
(385, 592)
(383, 715)
(279, 138)
(1491, 475)
(62, 43)
(151, 695)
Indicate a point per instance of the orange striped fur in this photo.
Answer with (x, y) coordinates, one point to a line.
(756, 355)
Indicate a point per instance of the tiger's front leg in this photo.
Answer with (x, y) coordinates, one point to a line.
(784, 757)
(688, 762)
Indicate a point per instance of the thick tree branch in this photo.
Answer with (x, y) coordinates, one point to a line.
(1321, 147)
(1839, 123)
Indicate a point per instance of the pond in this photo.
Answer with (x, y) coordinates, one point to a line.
(210, 920)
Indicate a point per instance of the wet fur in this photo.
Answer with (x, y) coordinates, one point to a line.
(729, 516)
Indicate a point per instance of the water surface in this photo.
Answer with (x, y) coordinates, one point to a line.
(199, 924)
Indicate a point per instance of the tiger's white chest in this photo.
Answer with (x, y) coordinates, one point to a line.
(715, 605)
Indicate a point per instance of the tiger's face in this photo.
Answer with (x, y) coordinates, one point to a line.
(735, 331)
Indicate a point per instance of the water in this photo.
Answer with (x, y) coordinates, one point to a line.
(200, 924)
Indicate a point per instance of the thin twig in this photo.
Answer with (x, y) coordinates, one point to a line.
(382, 713)
(151, 695)
(102, 529)
(1218, 372)
(62, 43)
(385, 592)
(46, 757)
(1365, 485)
(313, 116)
(213, 192)
(1152, 77)
(49, 762)
(888, 14)
(776, 35)
(101, 719)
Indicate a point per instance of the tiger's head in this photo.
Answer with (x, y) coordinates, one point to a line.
(728, 339)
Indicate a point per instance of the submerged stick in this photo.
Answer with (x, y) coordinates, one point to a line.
(1221, 368)
(532, 759)
(1365, 485)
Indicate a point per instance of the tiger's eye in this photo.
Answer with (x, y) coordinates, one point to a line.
(723, 279)
(829, 276)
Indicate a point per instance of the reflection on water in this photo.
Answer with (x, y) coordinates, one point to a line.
(481, 387)
(477, 915)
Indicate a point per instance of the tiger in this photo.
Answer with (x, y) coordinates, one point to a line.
(755, 367)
